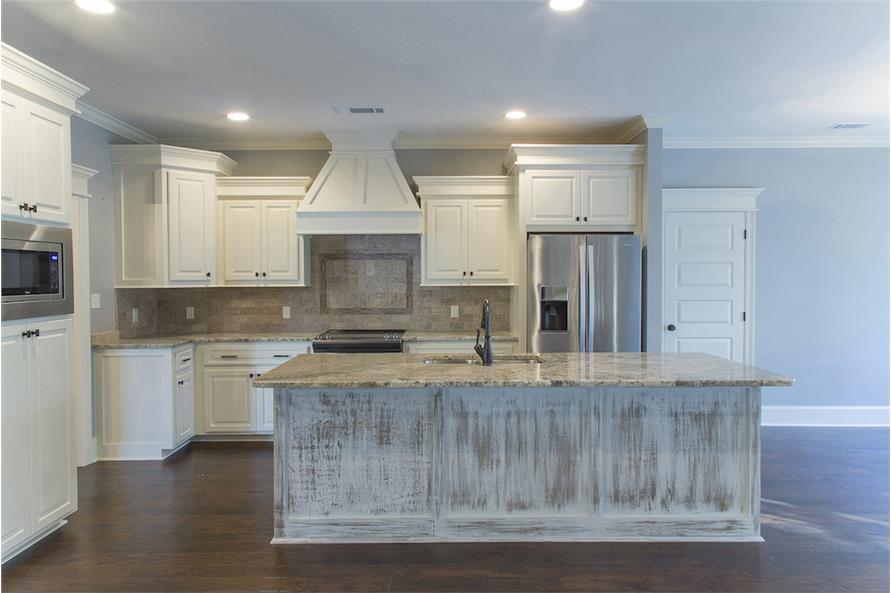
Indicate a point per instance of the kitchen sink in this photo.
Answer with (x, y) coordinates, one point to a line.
(504, 359)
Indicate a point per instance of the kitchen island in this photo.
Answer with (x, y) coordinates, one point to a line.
(554, 447)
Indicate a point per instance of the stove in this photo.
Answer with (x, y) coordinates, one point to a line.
(359, 340)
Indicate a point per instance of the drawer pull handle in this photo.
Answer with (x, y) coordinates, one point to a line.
(280, 356)
(180, 382)
(228, 356)
(187, 359)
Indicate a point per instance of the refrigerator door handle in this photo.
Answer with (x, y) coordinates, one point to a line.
(591, 298)
(583, 299)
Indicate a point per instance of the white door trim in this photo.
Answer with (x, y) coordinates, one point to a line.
(722, 199)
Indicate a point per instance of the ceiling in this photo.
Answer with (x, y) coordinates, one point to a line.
(446, 72)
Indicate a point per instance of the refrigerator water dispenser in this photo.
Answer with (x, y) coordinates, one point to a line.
(554, 308)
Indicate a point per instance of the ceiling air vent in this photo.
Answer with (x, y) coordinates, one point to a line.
(849, 126)
(360, 110)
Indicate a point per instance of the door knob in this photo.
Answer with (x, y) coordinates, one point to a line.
(670, 327)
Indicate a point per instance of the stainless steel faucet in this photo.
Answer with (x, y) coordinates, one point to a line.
(485, 350)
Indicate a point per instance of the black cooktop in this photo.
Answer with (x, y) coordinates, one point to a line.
(359, 340)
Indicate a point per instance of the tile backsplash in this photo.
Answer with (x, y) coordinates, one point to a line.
(358, 281)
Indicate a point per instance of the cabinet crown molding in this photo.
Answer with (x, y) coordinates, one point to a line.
(711, 198)
(163, 155)
(80, 175)
(520, 156)
(465, 185)
(36, 78)
(263, 186)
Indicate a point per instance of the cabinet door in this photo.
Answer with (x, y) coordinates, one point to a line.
(280, 245)
(228, 400)
(16, 435)
(265, 402)
(47, 162)
(192, 232)
(610, 196)
(488, 240)
(241, 241)
(184, 407)
(554, 197)
(11, 154)
(53, 476)
(445, 239)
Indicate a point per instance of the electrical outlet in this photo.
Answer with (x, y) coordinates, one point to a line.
(95, 300)
(190, 312)
(134, 314)
(286, 312)
(454, 311)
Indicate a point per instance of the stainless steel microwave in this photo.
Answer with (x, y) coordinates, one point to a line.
(36, 271)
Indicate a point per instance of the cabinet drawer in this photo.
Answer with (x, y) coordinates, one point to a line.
(183, 360)
(247, 353)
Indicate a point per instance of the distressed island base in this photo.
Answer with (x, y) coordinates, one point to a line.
(579, 447)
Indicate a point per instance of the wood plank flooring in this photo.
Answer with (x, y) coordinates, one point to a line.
(202, 522)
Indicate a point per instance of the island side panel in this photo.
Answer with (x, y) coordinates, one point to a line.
(517, 463)
(355, 464)
(682, 461)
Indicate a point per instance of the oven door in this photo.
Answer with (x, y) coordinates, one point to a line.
(36, 274)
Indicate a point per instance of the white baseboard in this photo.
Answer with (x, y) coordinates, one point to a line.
(825, 415)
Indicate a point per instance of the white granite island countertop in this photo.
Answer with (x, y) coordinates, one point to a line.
(554, 370)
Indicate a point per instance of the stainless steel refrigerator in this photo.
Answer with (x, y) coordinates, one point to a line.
(583, 293)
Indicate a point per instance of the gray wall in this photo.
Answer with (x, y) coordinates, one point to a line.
(821, 304)
(89, 147)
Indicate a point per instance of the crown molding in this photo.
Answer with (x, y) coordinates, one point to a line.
(162, 155)
(699, 142)
(114, 125)
(80, 175)
(23, 72)
(263, 186)
(631, 130)
(711, 198)
(464, 185)
(310, 143)
(568, 155)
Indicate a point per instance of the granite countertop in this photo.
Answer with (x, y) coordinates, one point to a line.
(111, 340)
(556, 370)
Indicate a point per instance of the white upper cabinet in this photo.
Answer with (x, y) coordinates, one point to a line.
(166, 214)
(578, 188)
(192, 231)
(260, 244)
(37, 103)
(467, 230)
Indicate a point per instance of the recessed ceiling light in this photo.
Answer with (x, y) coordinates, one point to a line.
(97, 6)
(565, 5)
(238, 116)
(516, 114)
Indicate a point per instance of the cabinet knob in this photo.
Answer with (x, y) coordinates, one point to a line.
(24, 207)
(252, 375)
(670, 327)
(36, 333)
(586, 219)
(471, 273)
(26, 333)
(464, 273)
(208, 274)
(33, 208)
(256, 274)
(180, 382)
(577, 219)
(264, 274)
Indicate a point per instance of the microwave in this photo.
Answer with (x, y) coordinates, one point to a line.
(36, 271)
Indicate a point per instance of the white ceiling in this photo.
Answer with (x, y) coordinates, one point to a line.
(449, 70)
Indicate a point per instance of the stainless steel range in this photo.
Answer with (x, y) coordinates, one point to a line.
(359, 341)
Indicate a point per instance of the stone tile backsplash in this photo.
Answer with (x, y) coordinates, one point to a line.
(370, 281)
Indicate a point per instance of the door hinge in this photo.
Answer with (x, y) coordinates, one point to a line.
(744, 315)
(745, 233)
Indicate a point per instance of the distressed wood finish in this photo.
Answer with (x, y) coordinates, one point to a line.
(529, 464)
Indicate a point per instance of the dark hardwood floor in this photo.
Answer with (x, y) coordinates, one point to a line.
(202, 522)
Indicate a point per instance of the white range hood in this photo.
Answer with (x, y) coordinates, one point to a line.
(359, 191)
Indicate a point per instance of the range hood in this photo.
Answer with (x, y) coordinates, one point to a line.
(359, 191)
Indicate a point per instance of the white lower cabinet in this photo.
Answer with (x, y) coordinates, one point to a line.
(39, 473)
(231, 404)
(145, 401)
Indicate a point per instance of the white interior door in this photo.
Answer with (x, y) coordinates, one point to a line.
(281, 257)
(445, 239)
(704, 284)
(54, 478)
(192, 231)
(16, 435)
(241, 243)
